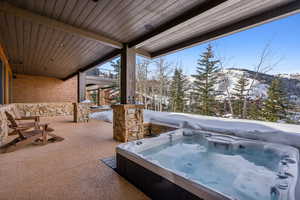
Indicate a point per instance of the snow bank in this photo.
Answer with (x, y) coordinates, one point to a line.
(86, 101)
(258, 130)
(102, 107)
(106, 116)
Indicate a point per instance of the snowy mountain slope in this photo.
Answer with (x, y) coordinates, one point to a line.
(260, 82)
(259, 89)
(291, 84)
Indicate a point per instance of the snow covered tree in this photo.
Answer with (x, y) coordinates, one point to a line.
(225, 86)
(274, 107)
(240, 90)
(206, 78)
(162, 71)
(192, 97)
(265, 63)
(142, 82)
(178, 91)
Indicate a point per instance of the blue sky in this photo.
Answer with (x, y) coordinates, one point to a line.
(242, 49)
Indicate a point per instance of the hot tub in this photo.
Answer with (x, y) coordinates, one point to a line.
(193, 164)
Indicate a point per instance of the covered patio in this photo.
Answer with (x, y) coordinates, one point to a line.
(70, 169)
(46, 48)
(64, 39)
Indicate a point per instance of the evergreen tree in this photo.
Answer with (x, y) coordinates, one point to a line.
(206, 78)
(240, 94)
(254, 110)
(177, 91)
(274, 107)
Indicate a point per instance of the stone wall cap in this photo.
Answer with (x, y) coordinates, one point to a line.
(128, 106)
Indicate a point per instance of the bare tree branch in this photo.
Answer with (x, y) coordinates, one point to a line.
(265, 64)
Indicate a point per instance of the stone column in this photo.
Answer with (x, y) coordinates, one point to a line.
(81, 112)
(102, 96)
(128, 122)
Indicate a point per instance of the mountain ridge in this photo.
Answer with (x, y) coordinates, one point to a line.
(261, 81)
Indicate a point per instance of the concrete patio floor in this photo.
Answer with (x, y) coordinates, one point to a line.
(66, 170)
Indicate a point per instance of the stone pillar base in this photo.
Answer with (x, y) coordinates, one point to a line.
(81, 112)
(128, 122)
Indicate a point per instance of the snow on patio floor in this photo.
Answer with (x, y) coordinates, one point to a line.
(265, 131)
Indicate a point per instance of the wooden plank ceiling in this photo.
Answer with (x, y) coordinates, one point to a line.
(39, 49)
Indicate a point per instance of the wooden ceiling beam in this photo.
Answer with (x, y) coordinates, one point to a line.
(262, 18)
(143, 53)
(23, 13)
(187, 15)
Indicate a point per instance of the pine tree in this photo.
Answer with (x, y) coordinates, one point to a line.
(177, 91)
(254, 110)
(240, 93)
(206, 78)
(274, 107)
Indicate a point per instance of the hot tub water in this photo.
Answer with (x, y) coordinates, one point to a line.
(238, 168)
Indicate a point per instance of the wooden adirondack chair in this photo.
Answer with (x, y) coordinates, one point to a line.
(25, 138)
(39, 134)
(19, 122)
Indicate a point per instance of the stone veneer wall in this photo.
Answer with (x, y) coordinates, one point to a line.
(3, 120)
(82, 112)
(156, 129)
(128, 122)
(44, 110)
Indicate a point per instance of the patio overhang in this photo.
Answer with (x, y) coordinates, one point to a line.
(66, 38)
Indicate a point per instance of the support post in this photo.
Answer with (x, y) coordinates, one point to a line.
(128, 56)
(99, 96)
(81, 86)
(128, 122)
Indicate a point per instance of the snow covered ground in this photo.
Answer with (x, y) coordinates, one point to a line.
(265, 131)
(259, 89)
(295, 116)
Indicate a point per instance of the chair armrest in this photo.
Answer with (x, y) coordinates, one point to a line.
(46, 127)
(20, 128)
(35, 118)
